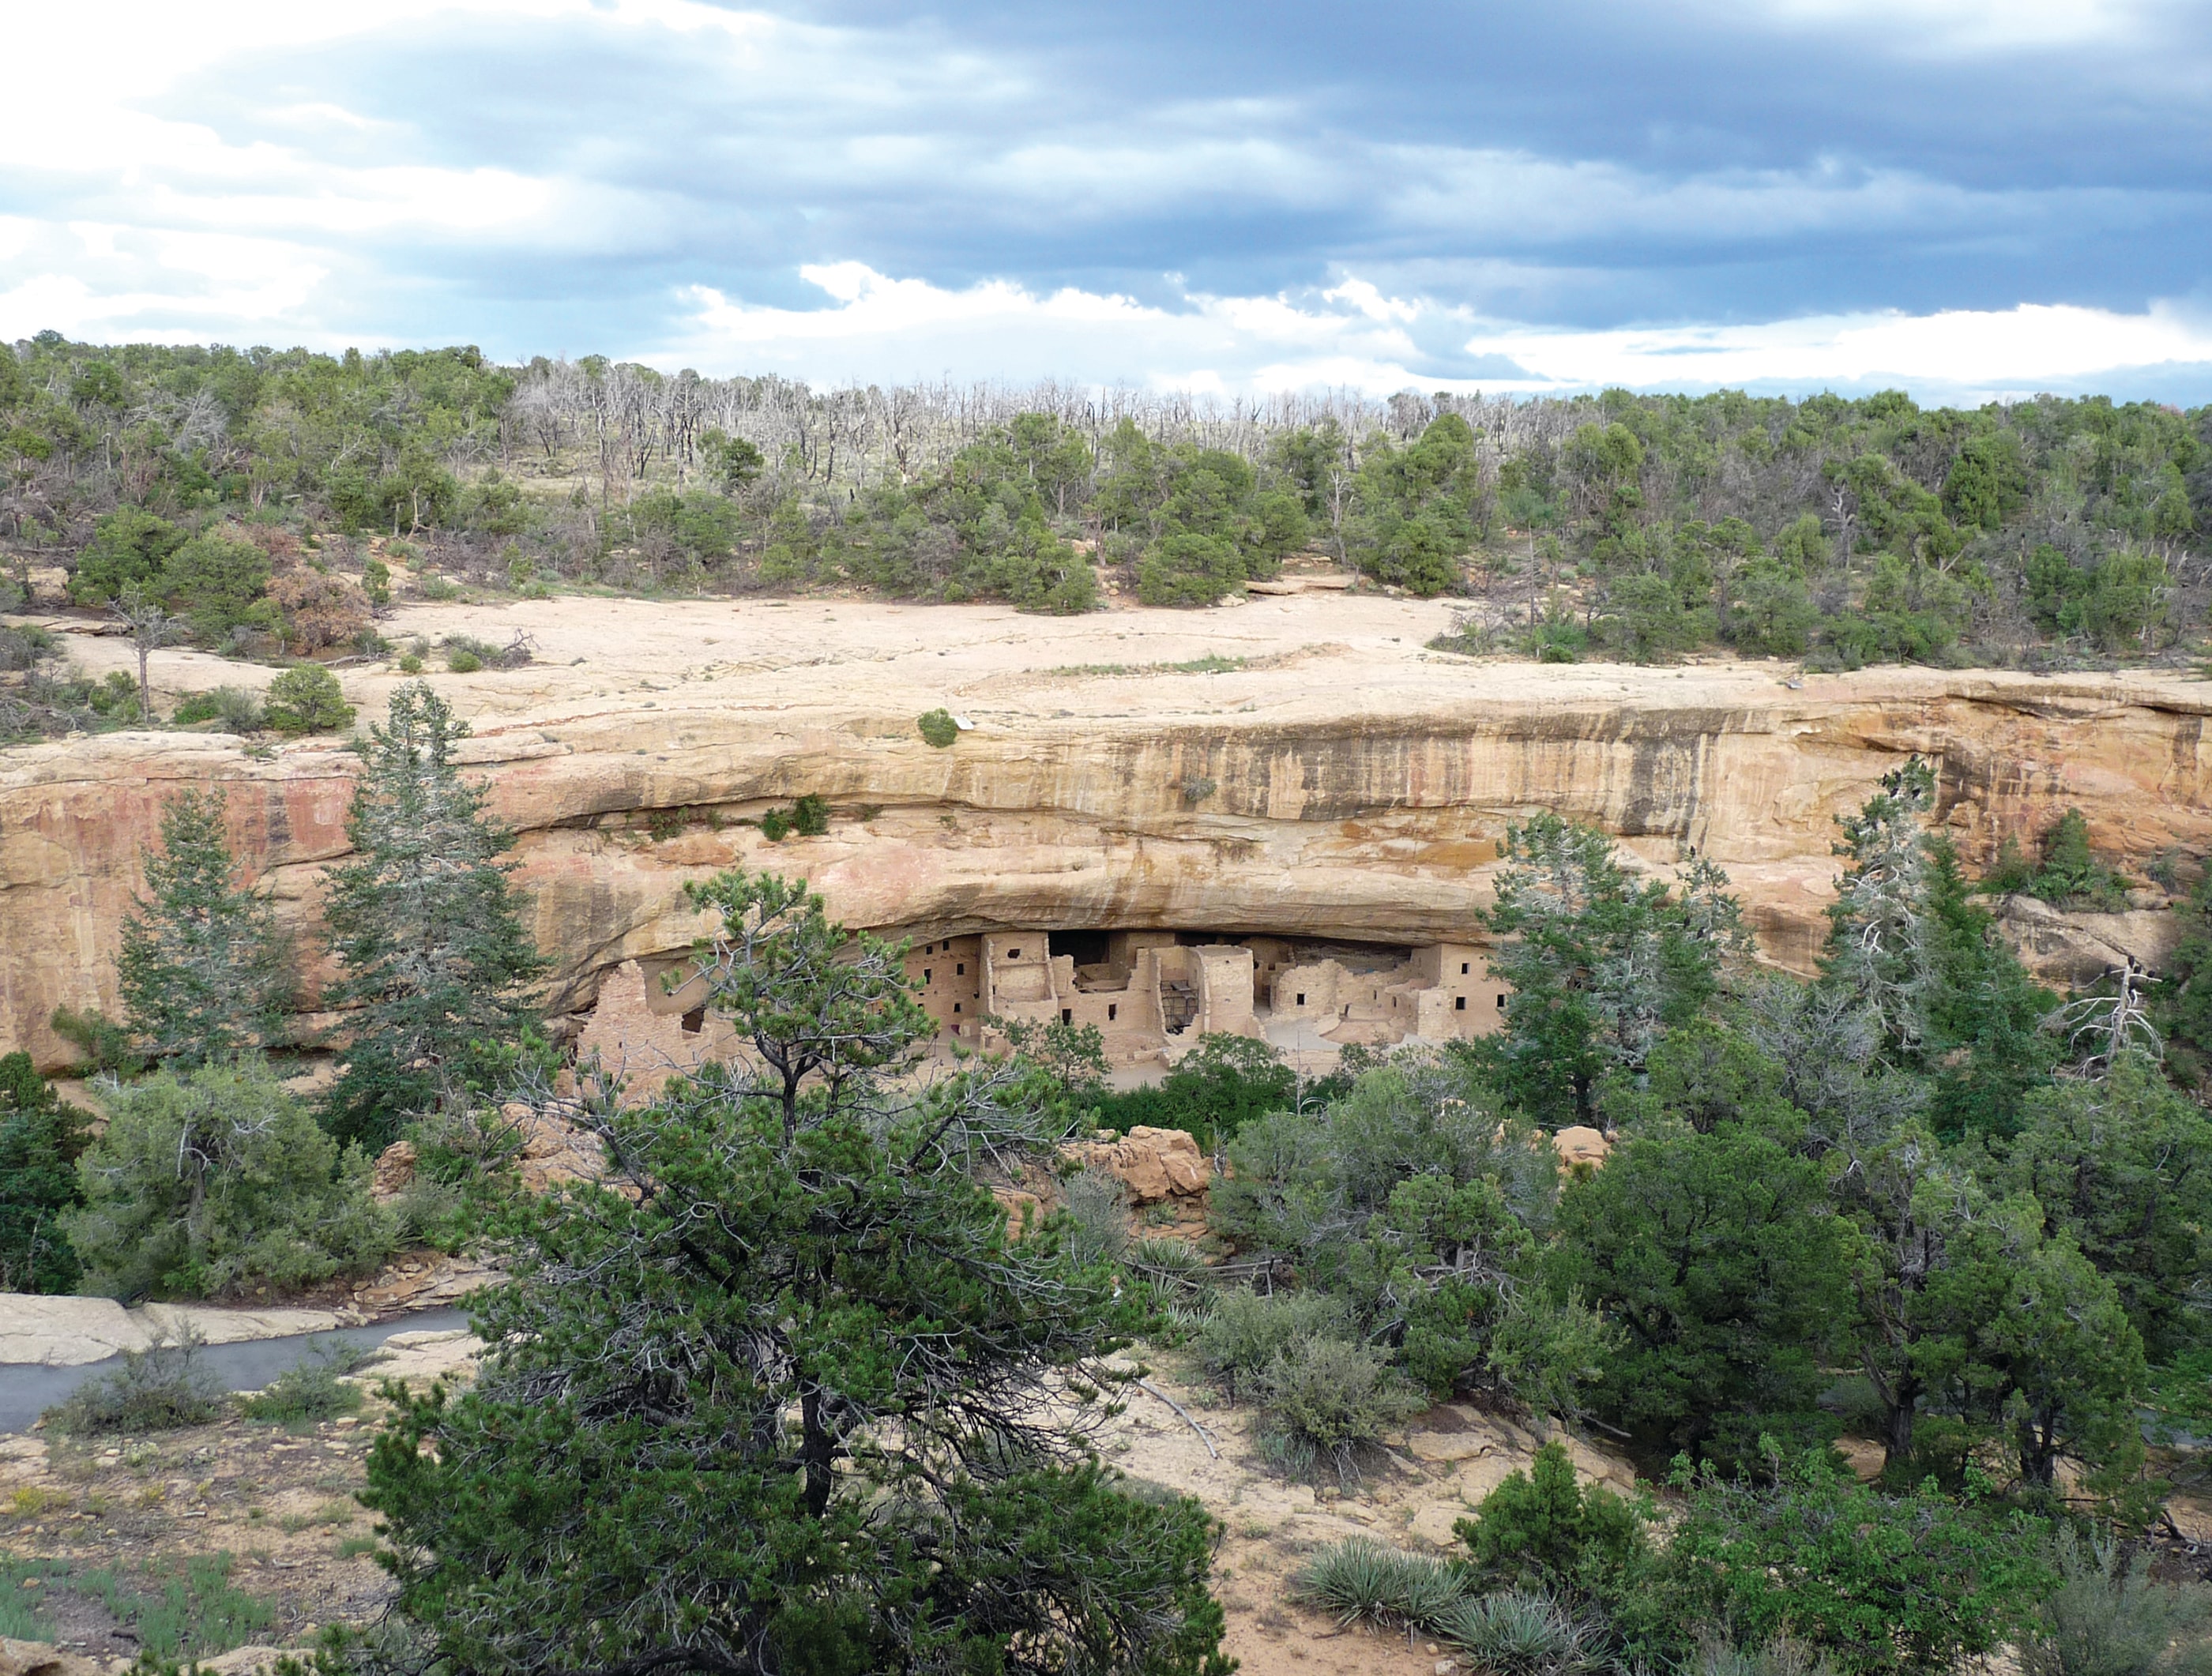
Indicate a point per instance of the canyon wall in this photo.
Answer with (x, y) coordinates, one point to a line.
(1331, 795)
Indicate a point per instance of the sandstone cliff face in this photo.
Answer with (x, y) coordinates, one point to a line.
(1354, 787)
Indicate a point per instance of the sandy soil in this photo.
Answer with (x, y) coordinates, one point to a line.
(1336, 654)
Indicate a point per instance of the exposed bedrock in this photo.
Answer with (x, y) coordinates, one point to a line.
(1303, 798)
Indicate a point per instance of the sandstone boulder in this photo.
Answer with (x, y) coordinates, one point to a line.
(39, 1658)
(1579, 1144)
(1153, 1164)
(395, 1169)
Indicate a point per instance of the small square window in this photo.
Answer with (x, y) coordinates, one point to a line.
(1302, 999)
(927, 976)
(1067, 1015)
(1013, 954)
(1462, 969)
(1501, 1000)
(956, 1006)
(960, 970)
(695, 1021)
(1459, 1003)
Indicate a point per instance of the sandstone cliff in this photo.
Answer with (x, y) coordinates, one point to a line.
(1345, 782)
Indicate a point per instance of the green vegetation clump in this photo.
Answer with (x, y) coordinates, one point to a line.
(161, 1388)
(2066, 873)
(937, 728)
(306, 699)
(239, 710)
(41, 1137)
(214, 1181)
(312, 1388)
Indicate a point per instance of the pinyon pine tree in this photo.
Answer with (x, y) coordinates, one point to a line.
(786, 1393)
(205, 971)
(427, 926)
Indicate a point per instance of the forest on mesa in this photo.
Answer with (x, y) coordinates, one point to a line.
(237, 486)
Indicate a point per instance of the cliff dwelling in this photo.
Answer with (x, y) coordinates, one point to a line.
(1152, 995)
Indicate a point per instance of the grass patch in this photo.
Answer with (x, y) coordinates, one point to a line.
(24, 1585)
(313, 1388)
(183, 1607)
(329, 1512)
(353, 1547)
(1212, 664)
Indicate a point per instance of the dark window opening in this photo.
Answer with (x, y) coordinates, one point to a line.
(1459, 1003)
(925, 975)
(1013, 954)
(695, 1021)
(960, 970)
(1111, 1009)
(1501, 1000)
(1462, 969)
(1085, 947)
(1067, 1015)
(1302, 999)
(956, 1006)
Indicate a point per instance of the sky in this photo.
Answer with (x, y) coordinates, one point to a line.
(1967, 199)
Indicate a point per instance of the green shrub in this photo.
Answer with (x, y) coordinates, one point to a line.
(1876, 1583)
(313, 1388)
(937, 728)
(462, 661)
(775, 825)
(809, 816)
(216, 1181)
(237, 709)
(307, 699)
(1247, 1330)
(159, 1388)
(1324, 1399)
(218, 583)
(410, 664)
(1542, 1527)
(2108, 1619)
(1360, 1581)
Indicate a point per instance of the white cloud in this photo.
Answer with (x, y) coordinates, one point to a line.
(1991, 352)
(1354, 335)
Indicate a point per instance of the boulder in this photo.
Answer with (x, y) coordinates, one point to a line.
(1580, 1144)
(1153, 1164)
(395, 1169)
(39, 1658)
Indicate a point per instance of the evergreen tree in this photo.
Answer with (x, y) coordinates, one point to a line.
(204, 972)
(1600, 964)
(786, 1394)
(1881, 944)
(427, 926)
(40, 1136)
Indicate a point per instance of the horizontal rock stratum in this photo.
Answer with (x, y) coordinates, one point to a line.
(1344, 782)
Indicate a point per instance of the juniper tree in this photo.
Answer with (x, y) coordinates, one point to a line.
(426, 925)
(205, 971)
(784, 1393)
(1882, 943)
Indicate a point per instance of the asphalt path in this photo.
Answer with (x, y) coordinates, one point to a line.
(28, 1390)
